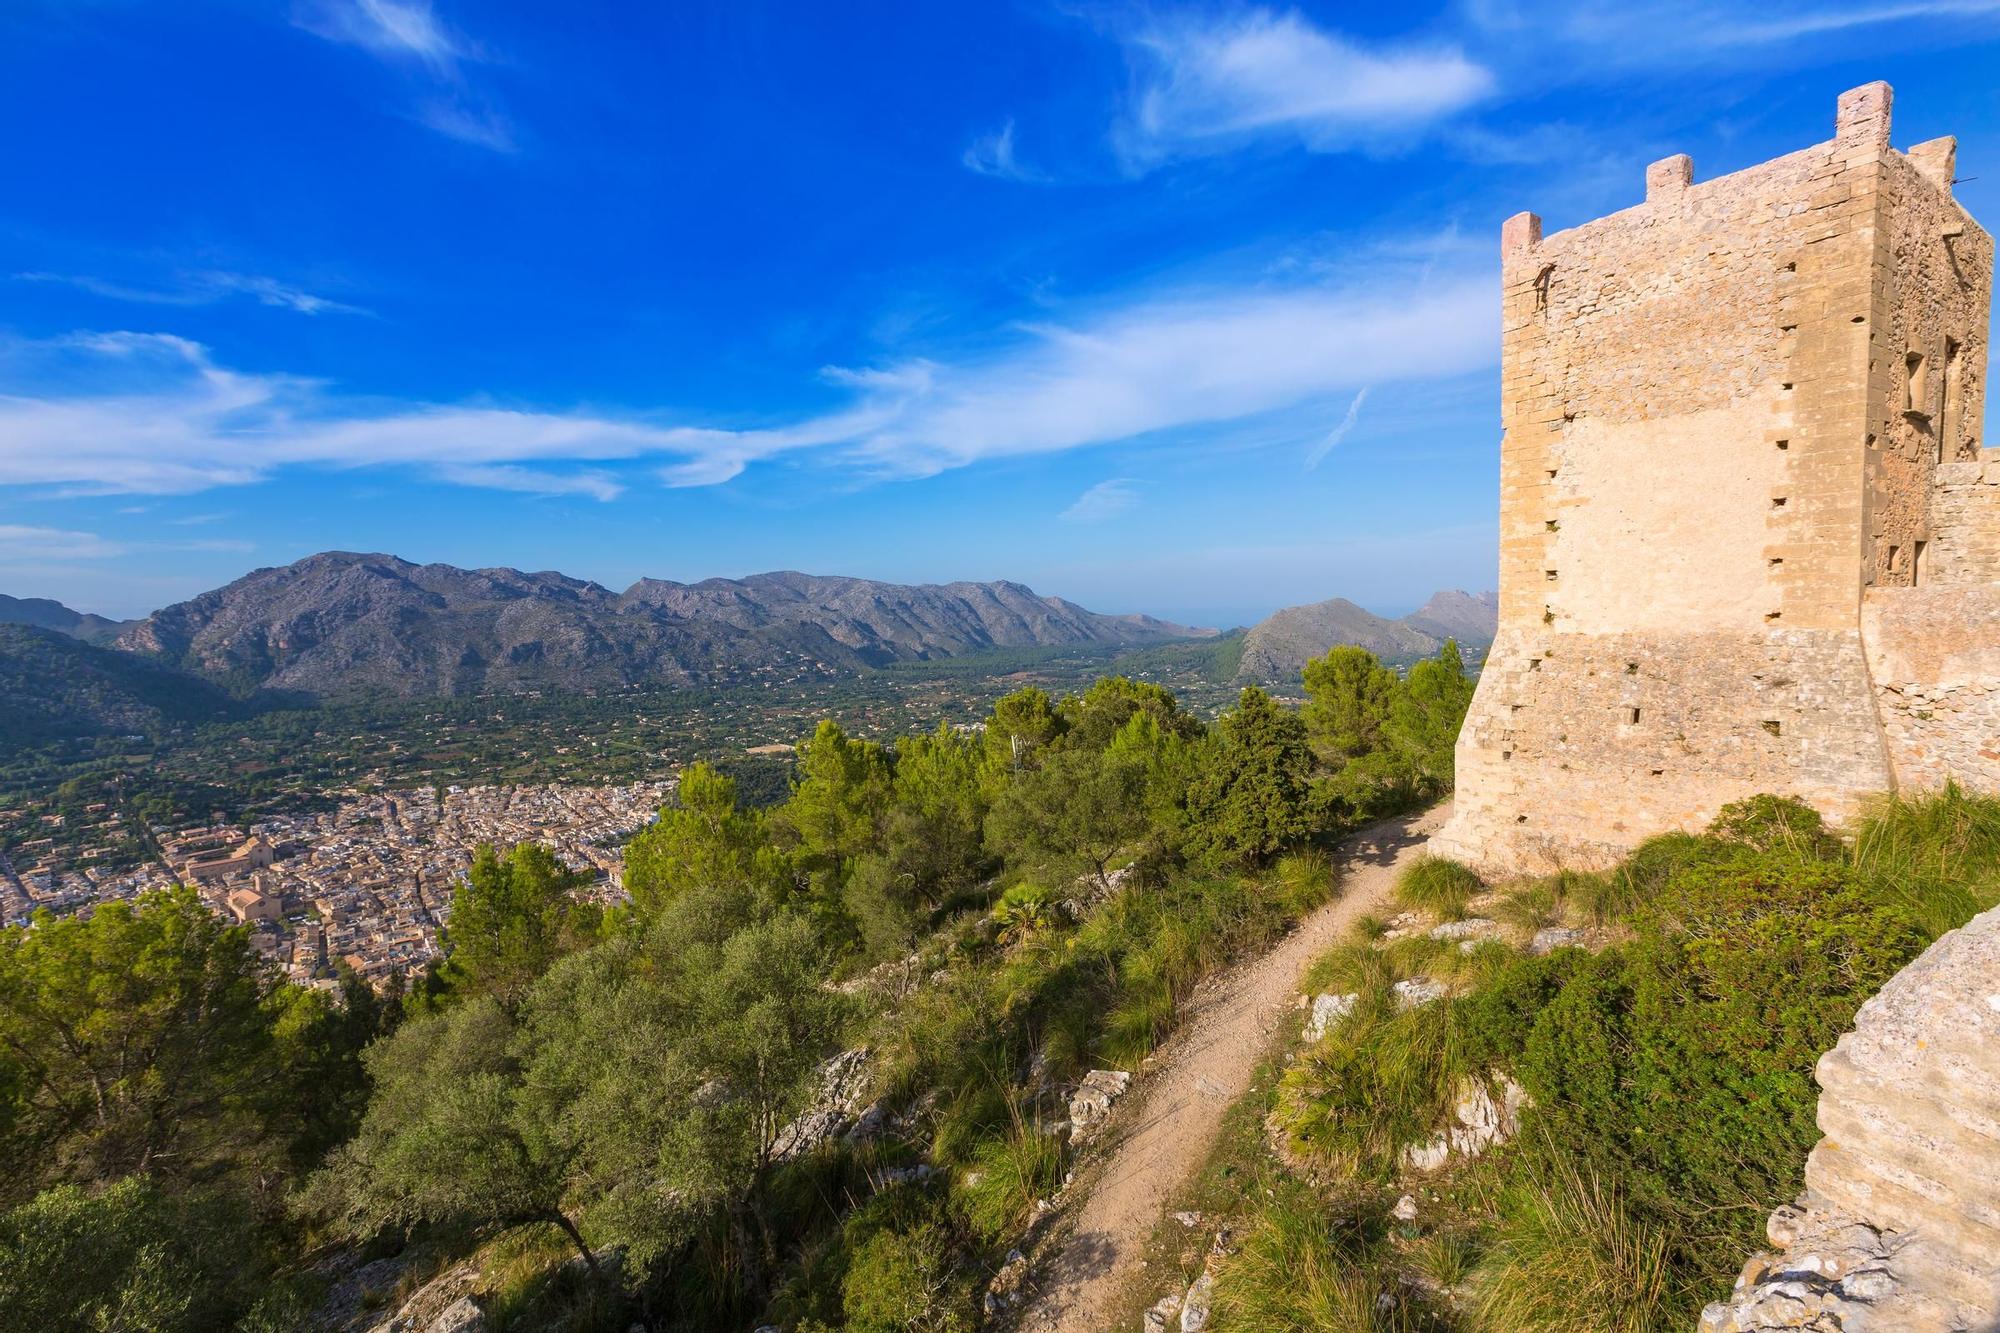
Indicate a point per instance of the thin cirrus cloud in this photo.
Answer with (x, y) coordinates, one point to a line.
(152, 413)
(203, 287)
(994, 155)
(408, 34)
(1338, 435)
(1204, 83)
(1105, 500)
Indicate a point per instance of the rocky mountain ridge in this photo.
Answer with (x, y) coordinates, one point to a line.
(342, 623)
(45, 613)
(1278, 647)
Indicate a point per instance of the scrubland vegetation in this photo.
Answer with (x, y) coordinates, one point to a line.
(1667, 1071)
(603, 1107)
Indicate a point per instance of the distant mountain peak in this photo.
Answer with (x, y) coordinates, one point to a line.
(1277, 648)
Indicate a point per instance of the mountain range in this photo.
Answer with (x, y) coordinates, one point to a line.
(1277, 648)
(42, 613)
(341, 623)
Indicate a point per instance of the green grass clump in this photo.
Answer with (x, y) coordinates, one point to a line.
(1437, 885)
(1302, 880)
(1309, 1265)
(1006, 1175)
(1571, 1256)
(1936, 857)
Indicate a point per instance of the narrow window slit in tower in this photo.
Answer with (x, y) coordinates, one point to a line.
(1784, 444)
(1773, 726)
(1954, 399)
(1631, 717)
(1918, 565)
(1915, 399)
(1889, 565)
(1549, 574)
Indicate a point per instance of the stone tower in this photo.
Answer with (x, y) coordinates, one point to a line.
(1749, 539)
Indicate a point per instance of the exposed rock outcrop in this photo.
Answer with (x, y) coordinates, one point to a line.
(1090, 1107)
(1899, 1226)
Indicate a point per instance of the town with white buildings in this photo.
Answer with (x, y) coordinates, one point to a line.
(367, 884)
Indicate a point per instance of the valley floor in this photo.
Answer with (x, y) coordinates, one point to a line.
(1170, 1124)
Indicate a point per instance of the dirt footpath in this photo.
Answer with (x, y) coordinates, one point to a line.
(1166, 1128)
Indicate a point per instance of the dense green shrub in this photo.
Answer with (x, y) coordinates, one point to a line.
(1681, 1063)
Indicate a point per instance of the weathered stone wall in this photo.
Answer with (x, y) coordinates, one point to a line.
(1899, 1228)
(1708, 457)
(1934, 655)
(1965, 522)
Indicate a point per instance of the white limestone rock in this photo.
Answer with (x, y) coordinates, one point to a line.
(1328, 1010)
(1091, 1104)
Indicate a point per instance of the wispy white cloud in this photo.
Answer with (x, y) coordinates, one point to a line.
(411, 35)
(1107, 499)
(394, 29)
(1655, 33)
(1203, 82)
(597, 485)
(148, 412)
(203, 287)
(1339, 433)
(993, 155)
(20, 541)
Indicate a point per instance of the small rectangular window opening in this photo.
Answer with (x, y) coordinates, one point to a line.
(1631, 668)
(1549, 574)
(1772, 617)
(1777, 502)
(1777, 560)
(1534, 664)
(1919, 567)
(1784, 444)
(1631, 717)
(1889, 565)
(1914, 397)
(1550, 525)
(1772, 725)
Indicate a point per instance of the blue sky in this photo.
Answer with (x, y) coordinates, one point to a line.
(1182, 309)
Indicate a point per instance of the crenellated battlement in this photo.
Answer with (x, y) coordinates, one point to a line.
(1733, 412)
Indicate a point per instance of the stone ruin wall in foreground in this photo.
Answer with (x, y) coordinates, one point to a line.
(1750, 540)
